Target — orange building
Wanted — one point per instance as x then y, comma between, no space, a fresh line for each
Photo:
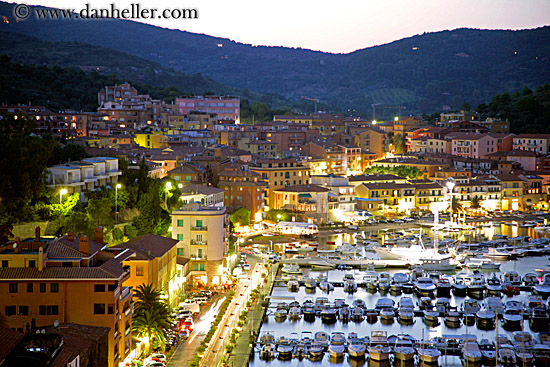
68,280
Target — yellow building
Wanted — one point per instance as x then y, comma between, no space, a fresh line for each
403,124
153,140
201,233
396,198
261,148
427,193
152,260
68,280
512,191
372,140
279,173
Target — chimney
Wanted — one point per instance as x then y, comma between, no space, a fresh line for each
98,234
70,236
84,245
37,234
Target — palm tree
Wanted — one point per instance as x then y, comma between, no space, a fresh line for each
476,202
151,314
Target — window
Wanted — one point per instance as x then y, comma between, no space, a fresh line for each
99,287
111,287
4,263
180,252
29,287
13,287
111,309
180,237
52,310
42,287
99,309
54,287
32,263
180,222
199,223
139,270
11,310
23,310
202,266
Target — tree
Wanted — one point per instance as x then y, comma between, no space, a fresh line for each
99,211
151,315
78,222
150,219
241,216
476,202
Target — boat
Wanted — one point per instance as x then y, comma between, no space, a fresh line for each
494,286
511,278
470,307
306,337
488,352
316,350
387,314
543,289
372,316
356,348
471,353
405,314
350,286
424,286
481,264
431,316
443,286
408,252
267,338
530,279
337,345
384,281
293,286
358,314
494,304
310,283
284,348
370,279
485,319
294,313
541,353
267,352
497,254
281,314
476,289
358,302
322,338
403,349
538,319
299,351
344,314
326,286
453,318
428,353
439,264
506,355
424,302
460,284
379,350
398,280
384,302
512,319
328,313
291,269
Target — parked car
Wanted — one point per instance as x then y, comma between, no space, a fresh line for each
200,299
158,357
206,293
184,334
246,266
155,364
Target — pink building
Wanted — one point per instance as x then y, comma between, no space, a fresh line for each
472,145
226,107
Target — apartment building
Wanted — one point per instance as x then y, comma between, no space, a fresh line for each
427,193
86,175
201,232
372,140
341,197
225,107
260,148
311,200
538,143
395,197
206,195
279,173
69,279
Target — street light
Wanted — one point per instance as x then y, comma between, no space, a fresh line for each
61,193
450,185
168,187
118,186
279,217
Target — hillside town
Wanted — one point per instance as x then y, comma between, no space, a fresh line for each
221,182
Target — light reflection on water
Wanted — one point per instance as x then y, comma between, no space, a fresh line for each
523,265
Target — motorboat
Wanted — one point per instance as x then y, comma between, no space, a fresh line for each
408,252
387,314
291,269
476,288
370,279
477,263
543,289
488,352
485,319
530,279
326,286
494,286
384,282
439,264
494,304
350,286
428,353
294,313
398,280
460,284
299,350
358,302
372,316
506,355
293,286
424,286
403,349
267,352
443,286
379,349
405,314
358,314
511,278
442,304
306,337
328,313
337,345
538,320
431,316
470,307
471,352
541,353
316,350
383,302
356,348
424,302
267,338
281,314
344,313
452,318
284,348
320,302
322,338
512,319
310,283
497,254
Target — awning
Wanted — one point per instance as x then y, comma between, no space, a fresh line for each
181,260
304,196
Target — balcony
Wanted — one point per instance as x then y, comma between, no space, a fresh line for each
199,228
126,292
198,243
197,257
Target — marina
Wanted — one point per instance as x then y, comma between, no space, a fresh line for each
405,315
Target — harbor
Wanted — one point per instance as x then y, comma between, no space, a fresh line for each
363,310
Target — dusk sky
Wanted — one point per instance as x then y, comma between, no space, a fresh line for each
336,26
